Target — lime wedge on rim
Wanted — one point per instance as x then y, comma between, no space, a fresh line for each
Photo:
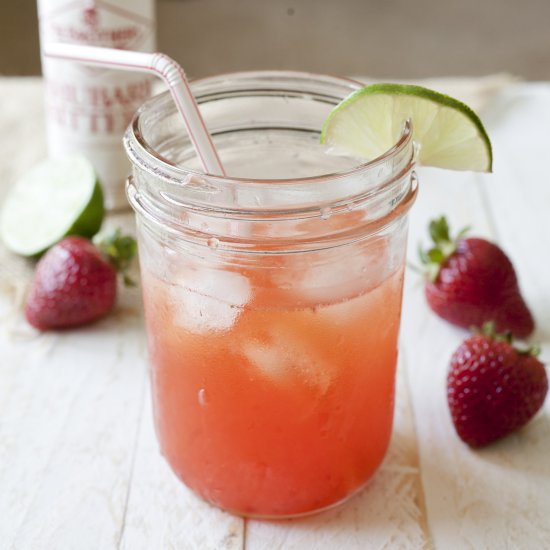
59,197
369,121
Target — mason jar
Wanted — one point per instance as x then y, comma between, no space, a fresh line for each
272,296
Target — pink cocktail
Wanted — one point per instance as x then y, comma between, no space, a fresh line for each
272,296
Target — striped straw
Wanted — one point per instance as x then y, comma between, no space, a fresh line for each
162,66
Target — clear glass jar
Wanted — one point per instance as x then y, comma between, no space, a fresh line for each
272,296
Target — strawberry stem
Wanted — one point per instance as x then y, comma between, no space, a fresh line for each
488,330
443,247
119,250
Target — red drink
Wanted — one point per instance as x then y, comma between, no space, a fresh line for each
272,296
287,411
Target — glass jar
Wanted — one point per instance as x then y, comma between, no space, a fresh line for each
272,296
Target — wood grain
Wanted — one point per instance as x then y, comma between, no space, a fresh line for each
495,497
79,461
163,513
68,424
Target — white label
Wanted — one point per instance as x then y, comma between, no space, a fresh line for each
88,108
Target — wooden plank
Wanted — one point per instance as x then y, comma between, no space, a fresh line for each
68,420
427,343
518,194
518,199
162,513
388,513
496,497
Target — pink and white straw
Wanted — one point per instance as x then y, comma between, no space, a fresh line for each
162,66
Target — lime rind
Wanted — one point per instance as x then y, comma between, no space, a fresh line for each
56,198
450,133
90,220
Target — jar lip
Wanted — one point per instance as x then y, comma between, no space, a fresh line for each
277,75
140,152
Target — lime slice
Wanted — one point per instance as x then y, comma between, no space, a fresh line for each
56,198
369,121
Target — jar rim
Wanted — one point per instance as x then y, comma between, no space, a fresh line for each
142,153
195,206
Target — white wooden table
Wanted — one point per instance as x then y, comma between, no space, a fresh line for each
79,463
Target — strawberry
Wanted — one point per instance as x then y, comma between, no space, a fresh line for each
493,388
75,283
471,281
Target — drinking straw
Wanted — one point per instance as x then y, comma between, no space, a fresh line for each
162,66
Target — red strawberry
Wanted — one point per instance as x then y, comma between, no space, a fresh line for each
472,281
493,388
75,283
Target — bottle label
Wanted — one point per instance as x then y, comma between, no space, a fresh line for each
123,25
88,108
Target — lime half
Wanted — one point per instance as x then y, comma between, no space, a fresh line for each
369,121
56,198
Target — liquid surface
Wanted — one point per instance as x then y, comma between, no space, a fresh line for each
276,154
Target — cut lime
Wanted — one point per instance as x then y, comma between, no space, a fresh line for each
56,198
368,122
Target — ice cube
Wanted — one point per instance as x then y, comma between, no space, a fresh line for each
208,299
342,275
284,357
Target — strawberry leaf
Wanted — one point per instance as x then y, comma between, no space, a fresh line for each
444,247
439,230
119,250
436,255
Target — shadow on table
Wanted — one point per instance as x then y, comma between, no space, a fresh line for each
527,450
